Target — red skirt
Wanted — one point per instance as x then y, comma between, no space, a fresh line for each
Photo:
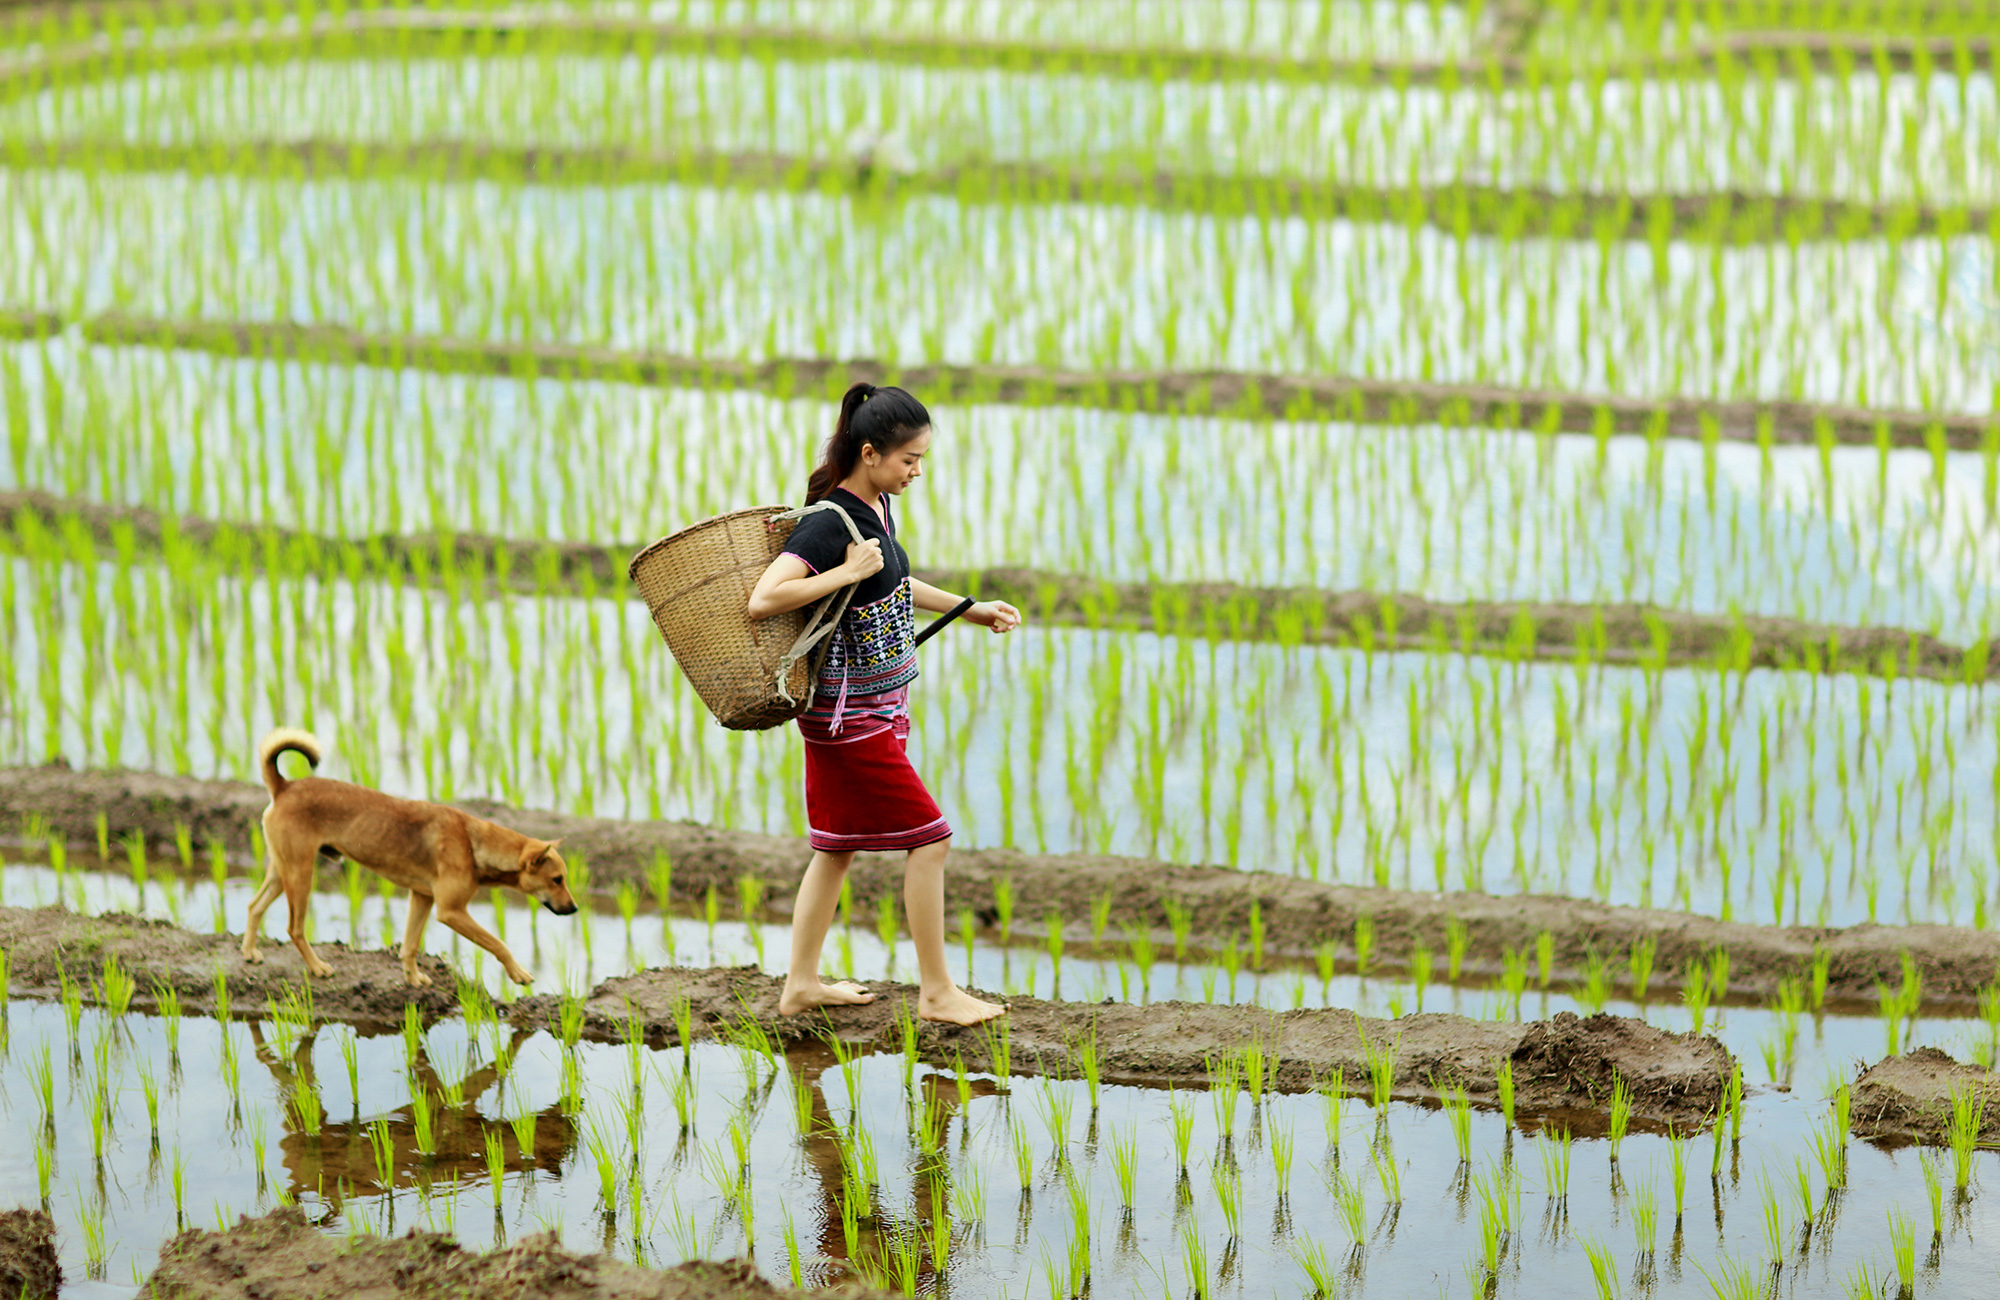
862,795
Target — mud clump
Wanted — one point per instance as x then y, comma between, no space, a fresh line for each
1564,1065
29,1269
47,944
1910,1097
282,1256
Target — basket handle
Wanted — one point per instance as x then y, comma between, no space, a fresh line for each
819,626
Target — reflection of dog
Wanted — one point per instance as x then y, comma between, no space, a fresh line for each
439,854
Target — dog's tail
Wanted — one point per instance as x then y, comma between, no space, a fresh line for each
284,738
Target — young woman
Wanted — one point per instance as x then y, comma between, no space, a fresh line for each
861,792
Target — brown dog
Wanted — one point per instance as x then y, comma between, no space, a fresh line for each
439,854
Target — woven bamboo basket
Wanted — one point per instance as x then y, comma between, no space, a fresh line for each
752,675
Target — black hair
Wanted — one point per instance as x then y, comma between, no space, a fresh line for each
882,418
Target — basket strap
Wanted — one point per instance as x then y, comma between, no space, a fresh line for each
830,611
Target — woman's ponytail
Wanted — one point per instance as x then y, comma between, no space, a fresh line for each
882,418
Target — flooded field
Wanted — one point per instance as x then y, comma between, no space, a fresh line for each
1495,794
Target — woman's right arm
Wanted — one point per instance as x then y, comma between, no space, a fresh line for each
788,584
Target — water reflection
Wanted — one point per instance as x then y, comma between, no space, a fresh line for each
336,1159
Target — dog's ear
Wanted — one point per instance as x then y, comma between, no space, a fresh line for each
538,851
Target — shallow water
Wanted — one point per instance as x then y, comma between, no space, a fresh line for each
686,1208
1848,537
1763,796
770,274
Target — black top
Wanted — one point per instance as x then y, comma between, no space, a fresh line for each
821,540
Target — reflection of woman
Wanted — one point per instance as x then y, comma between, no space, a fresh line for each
861,792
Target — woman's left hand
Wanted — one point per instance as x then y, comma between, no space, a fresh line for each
995,614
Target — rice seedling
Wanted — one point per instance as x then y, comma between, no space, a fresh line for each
1545,958
1620,1113
1596,990
45,1170
1228,1186
1333,1096
1420,972
1388,1175
1180,920
1694,994
1640,963
1349,1200
1731,1280
1024,1156
1646,1218
423,1121
1933,1172
1125,1164
1194,1262
523,1127
1554,1148
1310,1255
1903,1250
1364,942
1381,1062
968,1197
1182,1118
1863,1282
1772,1216
1284,1148
496,1162
1458,1109
1968,1112
1503,1079
1603,1269
149,1086
1513,980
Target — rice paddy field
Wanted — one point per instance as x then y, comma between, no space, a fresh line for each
1457,460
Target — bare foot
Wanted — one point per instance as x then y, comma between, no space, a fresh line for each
800,996
957,1007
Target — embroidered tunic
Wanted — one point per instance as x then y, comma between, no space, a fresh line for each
872,655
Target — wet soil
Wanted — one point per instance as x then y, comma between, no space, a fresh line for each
46,943
282,1256
1727,217
1297,914
1642,635
29,1269
1242,394
1562,1065
1909,1097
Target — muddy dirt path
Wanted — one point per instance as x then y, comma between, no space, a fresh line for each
282,1256
1562,1067
1728,217
1641,635
1242,394
1909,1098
29,1269
45,944
1298,915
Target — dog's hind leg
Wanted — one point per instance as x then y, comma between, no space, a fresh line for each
413,938
292,862
267,894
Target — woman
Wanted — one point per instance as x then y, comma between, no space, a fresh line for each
861,793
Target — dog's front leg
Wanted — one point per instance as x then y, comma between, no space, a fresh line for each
413,938
454,915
